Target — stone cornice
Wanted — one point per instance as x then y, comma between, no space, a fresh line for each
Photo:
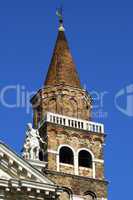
76,176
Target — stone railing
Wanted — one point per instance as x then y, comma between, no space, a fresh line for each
72,122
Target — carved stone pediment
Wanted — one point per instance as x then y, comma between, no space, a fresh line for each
4,175
13,166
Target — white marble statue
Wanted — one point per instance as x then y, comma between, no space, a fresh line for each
32,144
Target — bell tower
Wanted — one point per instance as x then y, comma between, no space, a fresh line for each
62,113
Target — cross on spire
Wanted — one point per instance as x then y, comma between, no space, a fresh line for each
59,13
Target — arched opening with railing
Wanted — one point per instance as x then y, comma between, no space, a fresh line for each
65,159
85,159
86,165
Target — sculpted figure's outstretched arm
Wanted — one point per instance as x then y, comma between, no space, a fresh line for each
41,140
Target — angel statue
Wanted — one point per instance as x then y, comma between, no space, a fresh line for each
32,143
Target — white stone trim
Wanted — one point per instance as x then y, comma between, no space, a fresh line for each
88,150
28,184
75,197
94,169
101,199
7,189
4,175
67,165
99,160
20,168
58,162
37,164
72,122
52,151
76,165
34,197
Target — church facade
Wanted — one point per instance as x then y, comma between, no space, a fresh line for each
63,153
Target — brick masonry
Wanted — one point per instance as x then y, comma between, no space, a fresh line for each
62,94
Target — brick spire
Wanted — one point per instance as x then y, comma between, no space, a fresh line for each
62,68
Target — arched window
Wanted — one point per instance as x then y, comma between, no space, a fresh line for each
66,194
66,155
85,159
90,196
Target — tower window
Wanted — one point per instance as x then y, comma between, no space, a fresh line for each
85,159
66,155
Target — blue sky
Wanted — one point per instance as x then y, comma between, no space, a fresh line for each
100,35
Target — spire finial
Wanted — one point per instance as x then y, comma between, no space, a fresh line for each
59,13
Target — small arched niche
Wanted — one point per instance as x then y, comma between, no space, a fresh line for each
52,105
74,107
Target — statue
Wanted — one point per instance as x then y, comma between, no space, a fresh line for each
32,143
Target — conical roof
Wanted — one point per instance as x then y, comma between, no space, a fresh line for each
62,68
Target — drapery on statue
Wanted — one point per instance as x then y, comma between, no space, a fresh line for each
32,143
